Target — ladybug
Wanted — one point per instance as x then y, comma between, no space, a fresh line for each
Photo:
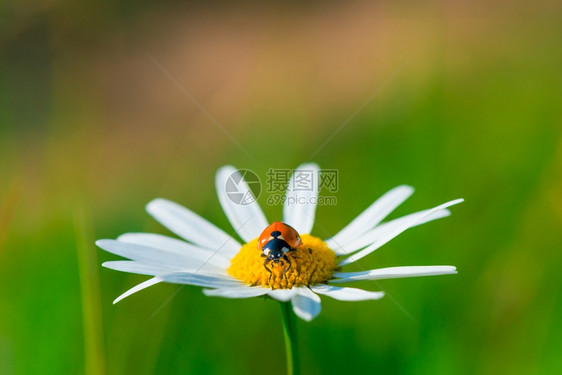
275,242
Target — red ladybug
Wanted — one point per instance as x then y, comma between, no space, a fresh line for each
275,242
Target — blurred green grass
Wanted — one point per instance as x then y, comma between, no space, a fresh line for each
475,114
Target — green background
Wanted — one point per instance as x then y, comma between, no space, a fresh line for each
454,99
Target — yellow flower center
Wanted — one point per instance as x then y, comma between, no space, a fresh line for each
312,263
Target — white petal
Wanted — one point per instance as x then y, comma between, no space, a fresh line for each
376,233
247,219
300,204
395,230
145,254
190,226
239,292
176,246
306,304
371,216
282,295
206,280
138,268
346,294
393,272
153,256
139,287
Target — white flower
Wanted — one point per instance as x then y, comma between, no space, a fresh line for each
205,255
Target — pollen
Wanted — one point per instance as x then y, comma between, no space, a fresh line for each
312,263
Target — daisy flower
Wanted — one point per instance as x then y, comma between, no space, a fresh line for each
209,257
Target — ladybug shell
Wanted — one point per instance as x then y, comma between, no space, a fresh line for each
287,233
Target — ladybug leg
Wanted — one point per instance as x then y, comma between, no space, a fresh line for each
293,253
267,260
263,255
288,265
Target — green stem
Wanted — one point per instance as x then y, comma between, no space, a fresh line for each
290,333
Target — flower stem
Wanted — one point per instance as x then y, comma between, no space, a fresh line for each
290,333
